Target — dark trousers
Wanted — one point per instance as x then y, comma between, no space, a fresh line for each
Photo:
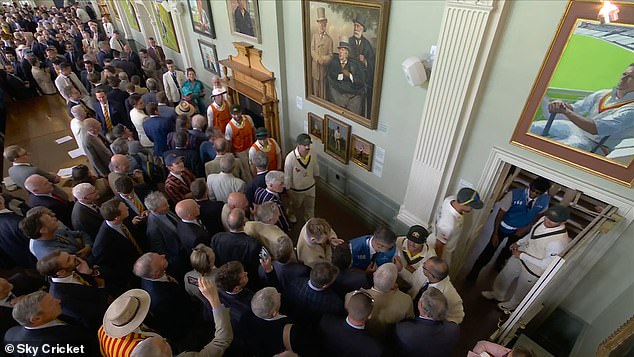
489,251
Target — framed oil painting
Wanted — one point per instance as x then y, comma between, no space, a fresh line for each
166,27
209,56
316,126
244,19
344,52
130,15
581,108
200,14
361,152
337,136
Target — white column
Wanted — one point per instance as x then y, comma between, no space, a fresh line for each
466,36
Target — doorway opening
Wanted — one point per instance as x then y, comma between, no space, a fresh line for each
483,319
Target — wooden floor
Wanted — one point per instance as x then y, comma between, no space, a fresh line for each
36,123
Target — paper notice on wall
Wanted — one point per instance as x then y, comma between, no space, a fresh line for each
379,154
377,169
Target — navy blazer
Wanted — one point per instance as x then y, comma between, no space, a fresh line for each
116,255
340,339
435,338
258,181
230,246
191,159
211,215
85,304
117,113
14,246
156,128
170,307
190,235
285,273
62,210
308,305
86,220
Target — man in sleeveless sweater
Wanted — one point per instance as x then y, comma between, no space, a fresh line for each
240,132
267,145
300,170
531,256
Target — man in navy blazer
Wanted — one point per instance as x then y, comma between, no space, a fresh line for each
190,229
429,332
347,336
312,298
41,194
85,216
14,246
38,313
170,305
78,287
116,111
117,247
157,127
210,211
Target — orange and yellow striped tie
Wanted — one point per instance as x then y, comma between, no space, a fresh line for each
106,116
131,239
138,204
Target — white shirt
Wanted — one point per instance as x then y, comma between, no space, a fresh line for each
448,228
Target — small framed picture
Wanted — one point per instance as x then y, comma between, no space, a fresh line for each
209,56
361,152
316,126
337,135
200,14
244,19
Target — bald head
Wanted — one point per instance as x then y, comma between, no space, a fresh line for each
92,125
119,163
236,219
38,184
237,200
187,210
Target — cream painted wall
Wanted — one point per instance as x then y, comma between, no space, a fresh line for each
413,28
605,297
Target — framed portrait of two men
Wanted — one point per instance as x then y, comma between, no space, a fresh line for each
344,51
581,108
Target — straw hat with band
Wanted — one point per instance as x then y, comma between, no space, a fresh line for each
126,313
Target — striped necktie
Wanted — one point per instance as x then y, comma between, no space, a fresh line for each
138,204
106,116
129,236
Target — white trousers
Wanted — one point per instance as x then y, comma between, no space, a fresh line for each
513,270
303,201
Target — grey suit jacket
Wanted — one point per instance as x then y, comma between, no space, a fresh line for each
19,174
98,154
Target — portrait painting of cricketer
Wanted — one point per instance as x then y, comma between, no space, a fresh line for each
581,109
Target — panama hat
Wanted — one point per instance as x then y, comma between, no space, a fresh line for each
126,313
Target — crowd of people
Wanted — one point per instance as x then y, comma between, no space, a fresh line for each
177,237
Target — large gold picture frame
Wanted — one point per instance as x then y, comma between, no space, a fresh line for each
583,66
349,85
